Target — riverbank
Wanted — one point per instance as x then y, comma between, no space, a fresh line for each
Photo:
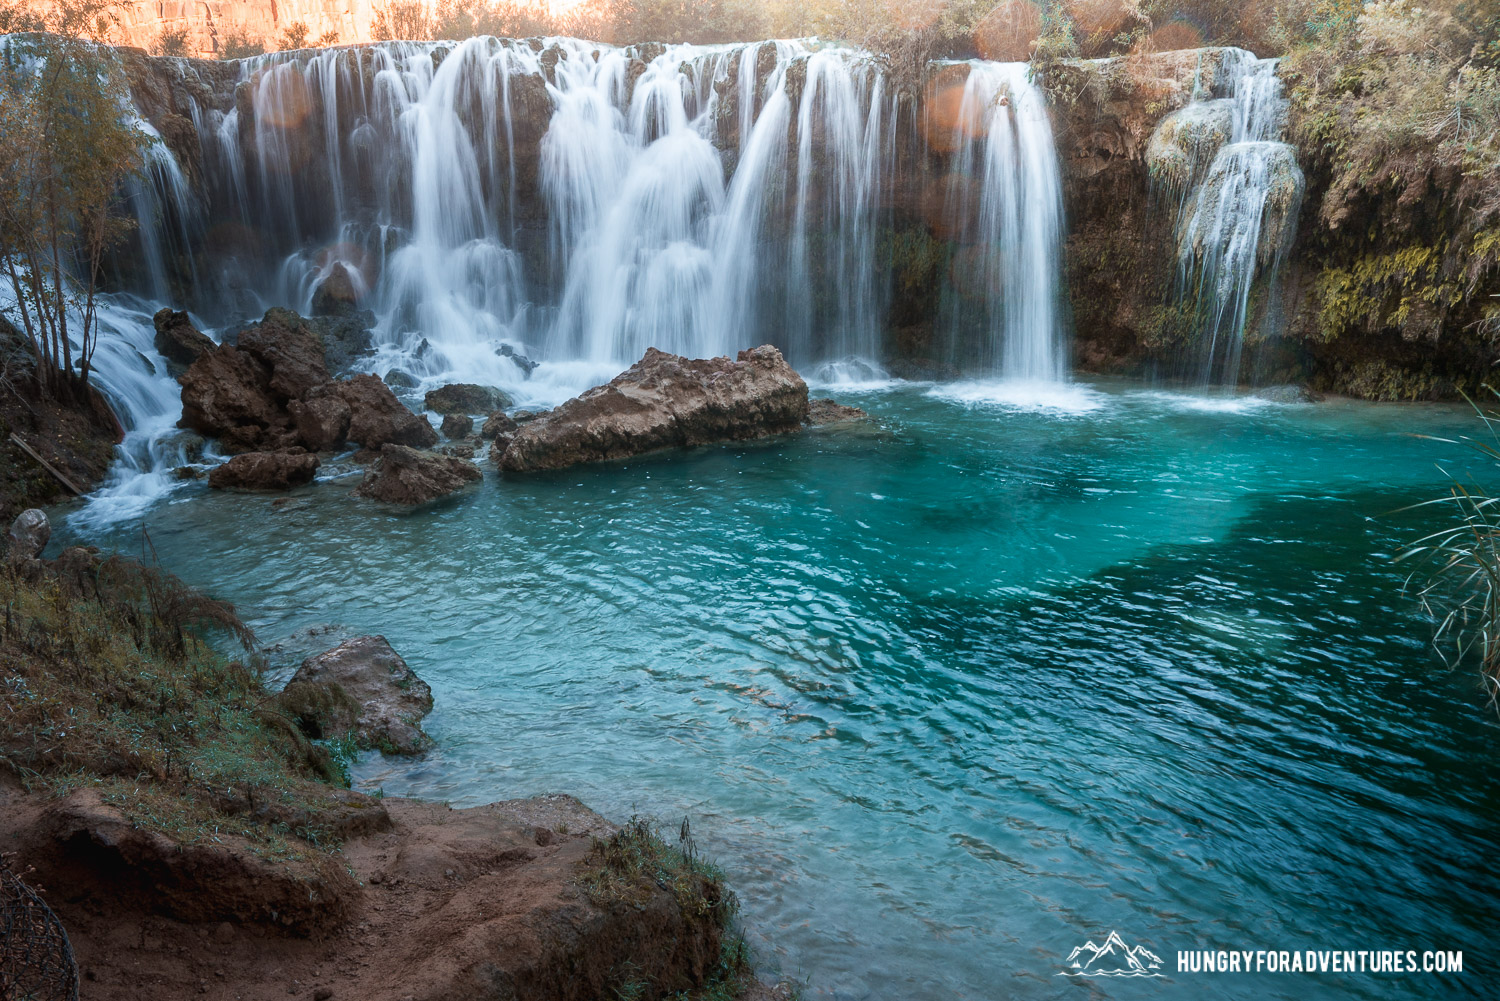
193,840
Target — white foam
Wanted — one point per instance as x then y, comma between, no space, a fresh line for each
1047,397
1195,403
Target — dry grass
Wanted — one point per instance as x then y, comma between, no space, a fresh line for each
107,678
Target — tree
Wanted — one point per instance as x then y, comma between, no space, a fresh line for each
69,147
172,42
294,36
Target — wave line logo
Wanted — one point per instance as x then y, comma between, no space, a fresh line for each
1112,959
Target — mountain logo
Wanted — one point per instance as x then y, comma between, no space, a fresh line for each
1112,959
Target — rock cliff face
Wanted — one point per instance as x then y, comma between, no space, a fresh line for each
208,24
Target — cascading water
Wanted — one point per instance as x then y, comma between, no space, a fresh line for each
1240,212
401,163
1005,209
572,202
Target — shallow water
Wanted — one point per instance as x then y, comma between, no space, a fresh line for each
953,693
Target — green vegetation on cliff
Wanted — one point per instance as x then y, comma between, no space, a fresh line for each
1395,110
107,679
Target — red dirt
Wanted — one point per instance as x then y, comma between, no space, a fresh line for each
449,904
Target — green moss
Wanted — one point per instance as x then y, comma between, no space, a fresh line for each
1384,290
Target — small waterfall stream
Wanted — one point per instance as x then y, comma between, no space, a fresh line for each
1010,223
1239,215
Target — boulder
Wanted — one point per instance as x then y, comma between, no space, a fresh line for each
377,417
467,398
526,365
409,476
336,294
665,401
322,422
400,379
29,535
264,471
498,423
291,349
391,699
177,340
457,426
1289,393
345,337
228,388
829,412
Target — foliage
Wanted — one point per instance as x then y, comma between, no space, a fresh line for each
238,44
293,36
172,42
69,146
1396,105
1462,587
107,678
627,867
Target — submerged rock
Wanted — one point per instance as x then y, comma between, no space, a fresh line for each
663,401
828,412
379,700
29,535
400,379
467,398
1289,394
265,471
410,476
377,417
177,340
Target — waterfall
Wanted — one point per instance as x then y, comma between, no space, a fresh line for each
1004,206
1239,215
615,225
571,202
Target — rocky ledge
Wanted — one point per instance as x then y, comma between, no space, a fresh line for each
664,401
525,899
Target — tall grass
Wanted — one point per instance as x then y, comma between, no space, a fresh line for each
1460,583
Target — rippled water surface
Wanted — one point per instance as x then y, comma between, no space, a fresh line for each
955,692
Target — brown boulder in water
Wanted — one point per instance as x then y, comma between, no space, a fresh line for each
457,426
227,388
666,401
391,699
821,412
336,294
377,417
322,421
410,476
177,340
291,349
264,471
466,398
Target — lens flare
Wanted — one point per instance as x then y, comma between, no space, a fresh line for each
945,126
